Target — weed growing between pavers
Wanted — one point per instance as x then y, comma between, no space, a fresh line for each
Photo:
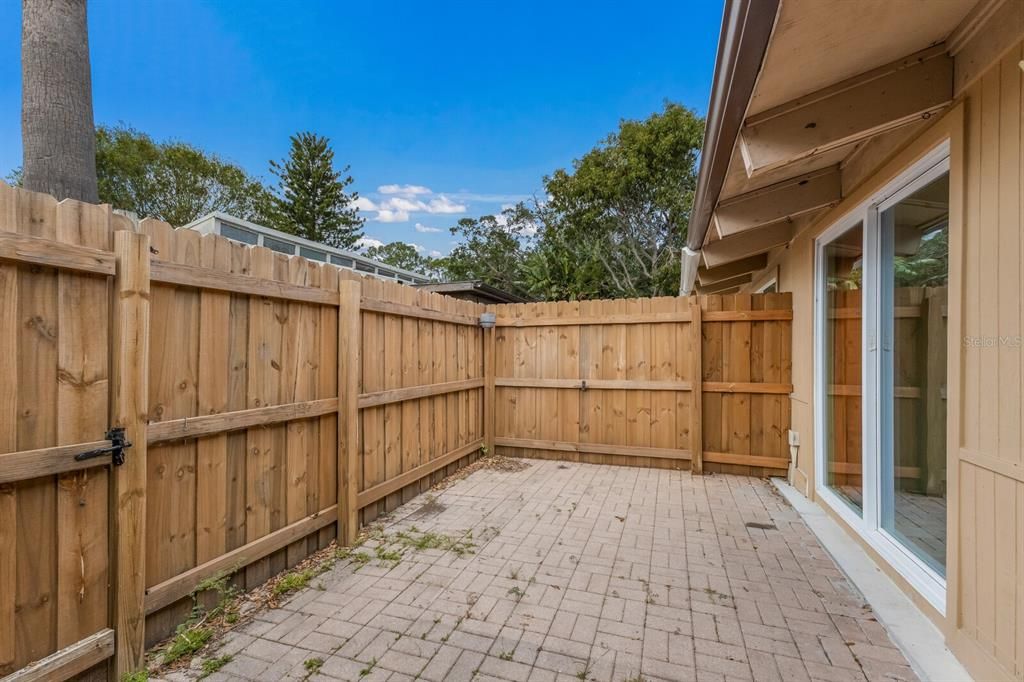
188,640
368,669
212,665
312,666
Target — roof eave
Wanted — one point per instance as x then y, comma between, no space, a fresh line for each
746,31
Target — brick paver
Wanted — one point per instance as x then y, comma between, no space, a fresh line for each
583,571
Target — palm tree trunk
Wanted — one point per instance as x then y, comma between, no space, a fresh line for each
58,137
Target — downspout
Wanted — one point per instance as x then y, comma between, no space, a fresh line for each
746,29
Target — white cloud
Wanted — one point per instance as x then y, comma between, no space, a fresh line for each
387,215
420,227
399,201
367,242
419,249
364,204
443,204
403,204
435,254
404,190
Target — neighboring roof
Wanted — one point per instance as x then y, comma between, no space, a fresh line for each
201,223
792,107
480,289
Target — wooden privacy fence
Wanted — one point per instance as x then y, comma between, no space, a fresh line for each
273,404
223,363
648,382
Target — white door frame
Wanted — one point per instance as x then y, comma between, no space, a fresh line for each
930,584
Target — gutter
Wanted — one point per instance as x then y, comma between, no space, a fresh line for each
746,30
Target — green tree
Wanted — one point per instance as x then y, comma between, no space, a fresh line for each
311,200
491,250
615,224
173,181
401,255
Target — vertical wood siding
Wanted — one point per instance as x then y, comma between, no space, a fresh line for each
991,496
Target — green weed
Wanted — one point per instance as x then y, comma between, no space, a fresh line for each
368,669
137,676
212,665
187,641
313,666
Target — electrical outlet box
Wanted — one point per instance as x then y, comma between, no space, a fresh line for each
794,439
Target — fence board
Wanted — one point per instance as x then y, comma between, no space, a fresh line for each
35,600
328,471
212,451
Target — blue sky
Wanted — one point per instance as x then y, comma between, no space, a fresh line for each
443,109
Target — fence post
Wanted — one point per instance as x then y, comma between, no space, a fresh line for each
697,394
489,364
129,410
350,340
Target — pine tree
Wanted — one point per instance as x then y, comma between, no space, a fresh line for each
311,200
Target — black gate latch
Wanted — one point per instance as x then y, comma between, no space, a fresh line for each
116,449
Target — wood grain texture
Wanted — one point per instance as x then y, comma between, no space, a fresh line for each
64,255
350,365
131,345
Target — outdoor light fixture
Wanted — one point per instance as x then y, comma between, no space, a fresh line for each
487,320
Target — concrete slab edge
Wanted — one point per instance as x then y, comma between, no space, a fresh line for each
916,636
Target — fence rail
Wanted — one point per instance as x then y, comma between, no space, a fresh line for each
276,404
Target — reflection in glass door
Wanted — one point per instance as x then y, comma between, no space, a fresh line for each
843,300
882,273
914,271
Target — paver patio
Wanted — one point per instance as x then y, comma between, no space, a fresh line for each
583,571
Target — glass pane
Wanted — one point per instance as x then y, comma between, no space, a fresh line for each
279,245
238,234
844,270
915,274
312,254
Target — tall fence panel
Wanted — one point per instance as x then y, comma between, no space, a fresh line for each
255,458
420,400
55,368
663,382
259,366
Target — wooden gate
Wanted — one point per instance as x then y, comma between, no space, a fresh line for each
65,283
664,382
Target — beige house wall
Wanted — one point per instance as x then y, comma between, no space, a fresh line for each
984,620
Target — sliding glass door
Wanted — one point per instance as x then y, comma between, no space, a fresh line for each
882,275
914,247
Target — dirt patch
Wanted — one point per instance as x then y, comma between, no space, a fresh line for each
496,462
428,508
